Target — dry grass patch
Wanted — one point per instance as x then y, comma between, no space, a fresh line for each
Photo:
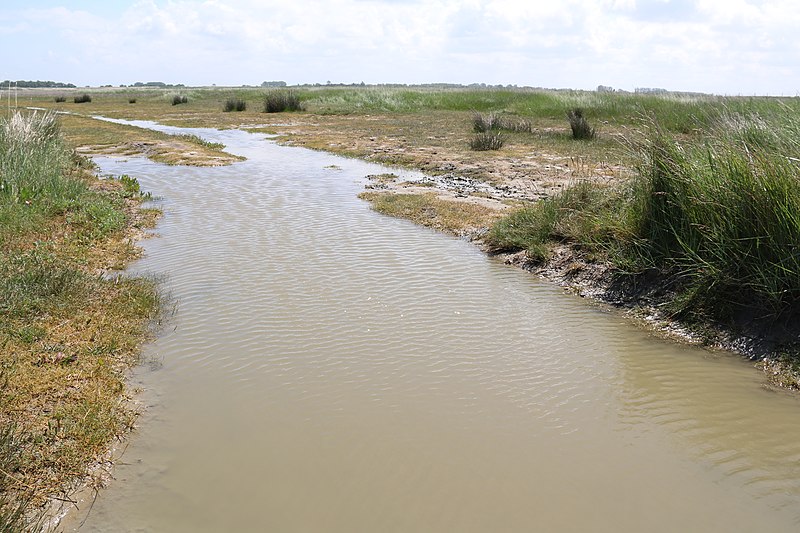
451,216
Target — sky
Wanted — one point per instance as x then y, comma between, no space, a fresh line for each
736,47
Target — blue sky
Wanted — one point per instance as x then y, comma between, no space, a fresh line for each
718,46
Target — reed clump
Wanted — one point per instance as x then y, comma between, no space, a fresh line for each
280,101
717,217
581,129
485,122
234,104
488,140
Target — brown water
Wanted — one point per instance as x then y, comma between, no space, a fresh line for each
330,369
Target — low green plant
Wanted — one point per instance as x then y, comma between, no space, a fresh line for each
488,140
60,99
131,100
234,104
581,129
194,139
82,99
178,99
582,214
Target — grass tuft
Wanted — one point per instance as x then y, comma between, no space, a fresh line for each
488,140
234,104
178,99
60,99
279,101
581,129
717,217
82,99
482,123
131,100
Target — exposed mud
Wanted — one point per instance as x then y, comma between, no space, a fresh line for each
528,167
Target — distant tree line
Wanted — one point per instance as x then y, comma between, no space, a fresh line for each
38,84
156,84
274,84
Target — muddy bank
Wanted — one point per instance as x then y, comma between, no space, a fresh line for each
771,345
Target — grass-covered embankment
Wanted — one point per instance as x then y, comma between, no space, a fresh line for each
709,224
67,333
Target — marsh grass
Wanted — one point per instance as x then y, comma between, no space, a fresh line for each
488,140
234,104
16,509
482,123
280,101
454,217
581,129
66,333
717,217
194,139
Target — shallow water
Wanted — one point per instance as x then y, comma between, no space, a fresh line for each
331,369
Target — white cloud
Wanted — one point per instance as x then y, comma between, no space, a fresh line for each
728,46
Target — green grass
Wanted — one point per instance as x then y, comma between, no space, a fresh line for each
15,496
66,333
194,139
717,216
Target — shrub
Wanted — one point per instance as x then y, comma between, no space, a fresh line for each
60,99
179,99
580,127
82,99
279,101
234,104
131,100
488,140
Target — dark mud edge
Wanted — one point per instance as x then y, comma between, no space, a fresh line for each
773,346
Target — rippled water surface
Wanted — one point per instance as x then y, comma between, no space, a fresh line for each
331,369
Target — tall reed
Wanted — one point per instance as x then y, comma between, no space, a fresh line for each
718,217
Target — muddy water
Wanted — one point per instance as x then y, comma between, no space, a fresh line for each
330,369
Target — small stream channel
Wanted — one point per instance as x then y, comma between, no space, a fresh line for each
331,369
